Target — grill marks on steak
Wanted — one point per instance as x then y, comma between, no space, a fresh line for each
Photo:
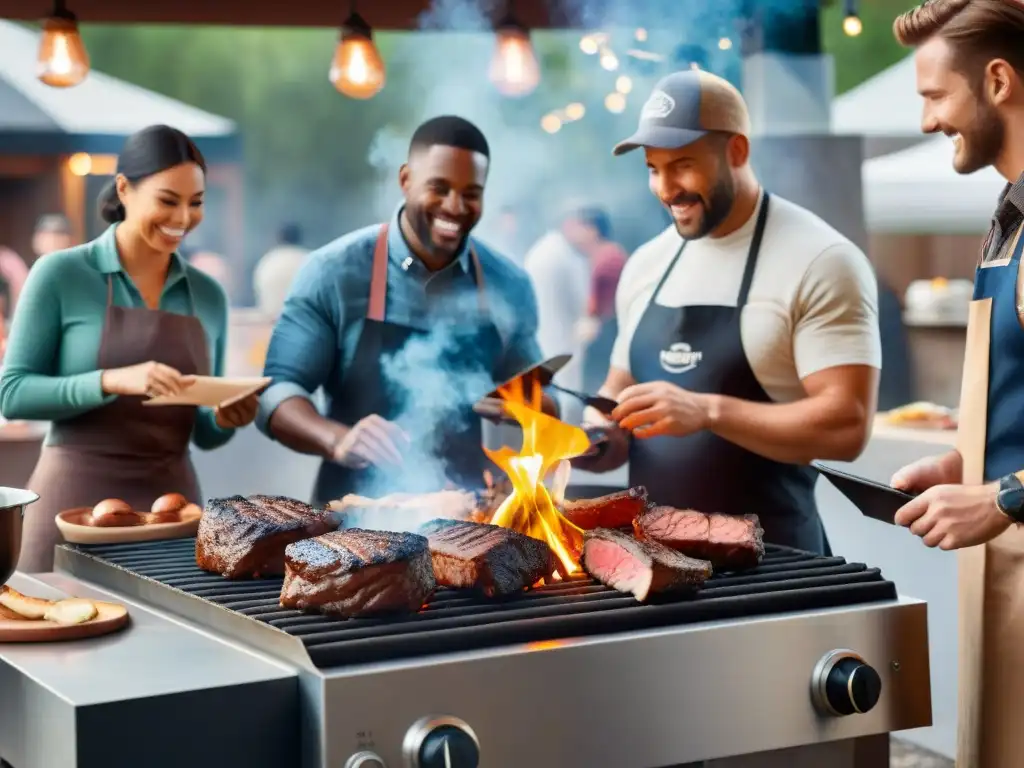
730,542
616,510
356,572
640,568
489,558
243,537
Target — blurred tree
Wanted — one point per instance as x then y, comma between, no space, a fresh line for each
874,49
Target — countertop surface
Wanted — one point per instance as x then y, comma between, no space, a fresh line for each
154,656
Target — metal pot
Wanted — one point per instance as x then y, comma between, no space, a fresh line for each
12,509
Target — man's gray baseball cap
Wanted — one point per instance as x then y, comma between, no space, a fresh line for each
685,106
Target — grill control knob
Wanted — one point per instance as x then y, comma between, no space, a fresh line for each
844,684
441,742
365,760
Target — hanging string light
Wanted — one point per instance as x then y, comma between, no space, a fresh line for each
724,43
357,69
514,69
575,111
852,25
551,123
589,44
624,84
615,102
62,61
609,60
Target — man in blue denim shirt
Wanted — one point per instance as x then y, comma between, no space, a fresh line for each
405,325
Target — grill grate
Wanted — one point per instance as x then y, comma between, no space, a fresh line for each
453,621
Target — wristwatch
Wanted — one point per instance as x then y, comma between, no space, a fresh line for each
1010,499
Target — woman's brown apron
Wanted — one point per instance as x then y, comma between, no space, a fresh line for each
123,449
991,588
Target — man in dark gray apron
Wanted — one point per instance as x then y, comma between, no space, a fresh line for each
694,418
405,325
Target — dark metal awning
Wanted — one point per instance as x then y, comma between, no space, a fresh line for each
381,14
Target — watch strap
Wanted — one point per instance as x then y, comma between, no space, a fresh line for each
1010,498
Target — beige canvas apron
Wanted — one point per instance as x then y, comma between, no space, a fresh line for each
991,590
124,449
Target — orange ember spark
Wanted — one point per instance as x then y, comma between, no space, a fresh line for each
530,509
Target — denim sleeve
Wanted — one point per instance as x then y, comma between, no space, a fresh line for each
305,340
523,349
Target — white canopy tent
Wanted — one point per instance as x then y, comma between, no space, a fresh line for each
102,106
886,105
916,191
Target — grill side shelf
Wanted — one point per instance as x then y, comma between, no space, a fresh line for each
209,615
165,574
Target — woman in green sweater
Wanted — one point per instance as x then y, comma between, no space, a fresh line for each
101,327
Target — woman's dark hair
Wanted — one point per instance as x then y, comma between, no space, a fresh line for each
147,153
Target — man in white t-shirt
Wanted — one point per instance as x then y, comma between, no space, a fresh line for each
751,352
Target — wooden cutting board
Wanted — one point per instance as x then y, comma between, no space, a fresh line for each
16,629
213,392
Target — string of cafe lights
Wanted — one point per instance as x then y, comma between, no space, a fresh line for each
597,43
357,69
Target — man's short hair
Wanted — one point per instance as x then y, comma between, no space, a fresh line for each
978,31
450,131
54,223
597,218
290,234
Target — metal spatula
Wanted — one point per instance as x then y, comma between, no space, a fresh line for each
603,404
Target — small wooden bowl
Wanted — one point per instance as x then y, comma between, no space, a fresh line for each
76,527
110,617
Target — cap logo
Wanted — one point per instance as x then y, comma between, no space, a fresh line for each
659,105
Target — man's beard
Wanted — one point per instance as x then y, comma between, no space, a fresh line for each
716,208
981,145
420,222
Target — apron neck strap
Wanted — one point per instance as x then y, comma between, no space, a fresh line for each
110,291
755,250
379,277
748,269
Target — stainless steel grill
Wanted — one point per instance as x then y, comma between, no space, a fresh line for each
453,621
756,669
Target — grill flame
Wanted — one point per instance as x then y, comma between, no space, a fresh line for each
547,445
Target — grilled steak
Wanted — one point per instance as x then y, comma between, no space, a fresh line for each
357,572
242,537
730,542
616,510
640,568
492,559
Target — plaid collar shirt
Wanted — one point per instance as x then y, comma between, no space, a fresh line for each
1008,219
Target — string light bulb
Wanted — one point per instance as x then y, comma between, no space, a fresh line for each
514,68
609,60
575,111
623,84
62,61
640,35
588,44
357,70
724,43
852,25
615,102
551,123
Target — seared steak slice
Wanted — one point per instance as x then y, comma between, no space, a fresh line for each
242,537
640,568
616,510
730,542
492,559
355,572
